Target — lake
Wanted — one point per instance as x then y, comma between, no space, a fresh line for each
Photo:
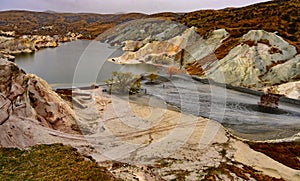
77,63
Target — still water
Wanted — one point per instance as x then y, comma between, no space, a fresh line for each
77,63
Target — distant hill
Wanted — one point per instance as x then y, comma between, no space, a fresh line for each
90,25
273,16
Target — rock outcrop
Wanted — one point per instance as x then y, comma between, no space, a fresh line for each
154,29
70,36
10,46
261,59
183,49
26,96
290,89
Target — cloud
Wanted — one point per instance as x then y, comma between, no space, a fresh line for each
113,6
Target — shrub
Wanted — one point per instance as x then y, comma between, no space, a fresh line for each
124,83
152,77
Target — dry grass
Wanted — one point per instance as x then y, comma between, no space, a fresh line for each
280,16
49,162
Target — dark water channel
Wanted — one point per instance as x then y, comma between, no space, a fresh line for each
237,111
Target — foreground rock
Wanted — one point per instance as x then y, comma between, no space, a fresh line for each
25,98
290,90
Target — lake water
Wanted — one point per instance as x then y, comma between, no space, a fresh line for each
77,63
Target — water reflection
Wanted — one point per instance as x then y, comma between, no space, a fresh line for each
76,63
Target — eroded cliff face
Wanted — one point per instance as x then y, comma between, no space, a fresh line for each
261,59
27,97
258,60
180,50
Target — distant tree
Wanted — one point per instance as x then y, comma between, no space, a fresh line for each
124,83
152,77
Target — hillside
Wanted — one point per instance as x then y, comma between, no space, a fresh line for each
45,23
273,16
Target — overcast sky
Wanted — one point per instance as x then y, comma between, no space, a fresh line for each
120,6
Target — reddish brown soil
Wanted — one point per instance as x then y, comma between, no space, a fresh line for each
244,172
287,153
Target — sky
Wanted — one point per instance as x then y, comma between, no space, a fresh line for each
121,6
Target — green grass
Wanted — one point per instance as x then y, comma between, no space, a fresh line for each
49,162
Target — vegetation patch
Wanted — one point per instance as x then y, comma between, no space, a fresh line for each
124,83
49,162
272,16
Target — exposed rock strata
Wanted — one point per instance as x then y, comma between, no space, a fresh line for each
10,46
181,50
261,59
154,29
290,90
26,96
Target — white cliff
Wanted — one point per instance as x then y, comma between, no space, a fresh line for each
182,49
261,59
